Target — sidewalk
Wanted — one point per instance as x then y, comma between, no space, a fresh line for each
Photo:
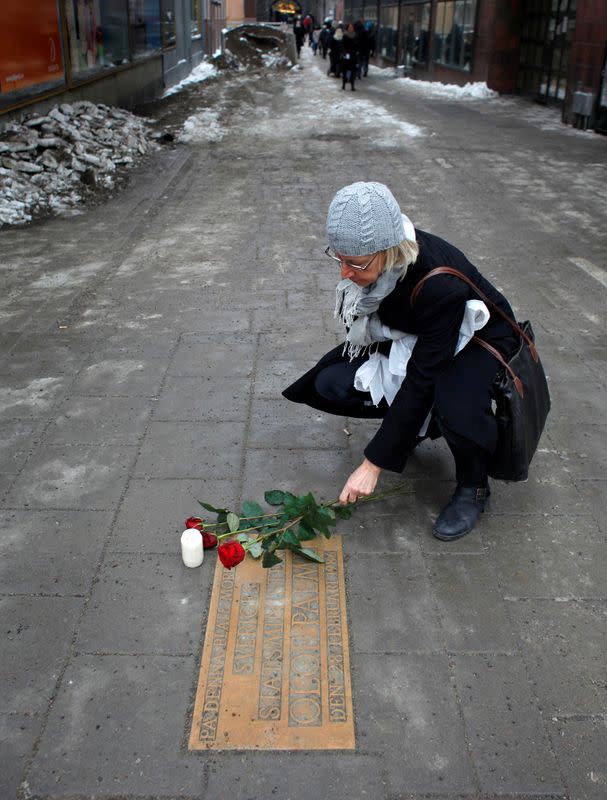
143,348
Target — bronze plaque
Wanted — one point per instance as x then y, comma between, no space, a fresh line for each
275,671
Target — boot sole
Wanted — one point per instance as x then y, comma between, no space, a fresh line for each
443,538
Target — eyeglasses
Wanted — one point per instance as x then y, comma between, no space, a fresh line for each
331,254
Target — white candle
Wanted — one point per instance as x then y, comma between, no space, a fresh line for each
191,547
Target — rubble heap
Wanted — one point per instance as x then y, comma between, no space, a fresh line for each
49,163
257,45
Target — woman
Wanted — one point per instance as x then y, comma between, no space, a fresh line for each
382,259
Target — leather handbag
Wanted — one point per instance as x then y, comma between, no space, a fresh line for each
520,391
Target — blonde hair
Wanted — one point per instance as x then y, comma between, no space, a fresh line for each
402,255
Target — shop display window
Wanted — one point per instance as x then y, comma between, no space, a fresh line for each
196,18
98,34
386,32
415,33
167,13
144,23
454,33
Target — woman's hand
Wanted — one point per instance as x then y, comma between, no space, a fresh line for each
361,483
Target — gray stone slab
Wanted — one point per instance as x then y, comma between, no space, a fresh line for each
17,439
297,776
505,726
474,616
580,746
30,398
594,496
272,379
564,646
191,449
83,476
190,399
297,471
530,562
132,343
278,423
407,710
400,616
53,552
147,604
581,447
6,482
100,420
57,353
120,377
549,493
116,729
369,533
37,635
153,512
206,355
271,320
18,733
585,396
303,344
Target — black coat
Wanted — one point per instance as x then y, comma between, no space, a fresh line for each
435,317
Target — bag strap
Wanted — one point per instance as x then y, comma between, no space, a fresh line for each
452,271
518,384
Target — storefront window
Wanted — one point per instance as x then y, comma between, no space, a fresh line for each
98,34
454,33
386,32
196,18
167,12
415,33
144,21
30,55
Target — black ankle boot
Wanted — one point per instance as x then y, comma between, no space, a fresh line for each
460,515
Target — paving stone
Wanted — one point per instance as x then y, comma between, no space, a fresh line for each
120,377
473,615
43,354
564,648
206,355
581,448
29,398
271,320
552,494
153,512
116,728
191,449
6,482
529,562
17,439
100,420
378,534
130,343
146,604
52,552
297,471
276,423
504,726
581,745
297,776
271,380
585,396
37,635
407,710
18,733
83,476
303,344
399,617
594,497
202,399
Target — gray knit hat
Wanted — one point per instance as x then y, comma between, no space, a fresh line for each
364,218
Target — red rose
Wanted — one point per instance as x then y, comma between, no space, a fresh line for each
194,522
209,540
230,554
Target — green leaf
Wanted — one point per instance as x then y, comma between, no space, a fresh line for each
233,521
251,509
343,512
256,550
222,516
274,497
311,554
242,538
305,532
328,513
270,559
211,508
288,537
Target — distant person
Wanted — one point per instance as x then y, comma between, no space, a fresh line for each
325,38
308,24
445,387
335,46
298,30
315,40
349,57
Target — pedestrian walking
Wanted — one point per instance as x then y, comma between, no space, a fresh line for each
366,41
335,46
298,30
324,39
315,40
349,57
402,359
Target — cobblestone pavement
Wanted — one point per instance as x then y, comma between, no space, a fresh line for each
143,347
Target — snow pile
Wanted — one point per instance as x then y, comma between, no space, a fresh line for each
470,91
202,127
50,162
202,72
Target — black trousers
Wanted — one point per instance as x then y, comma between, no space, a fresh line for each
462,410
